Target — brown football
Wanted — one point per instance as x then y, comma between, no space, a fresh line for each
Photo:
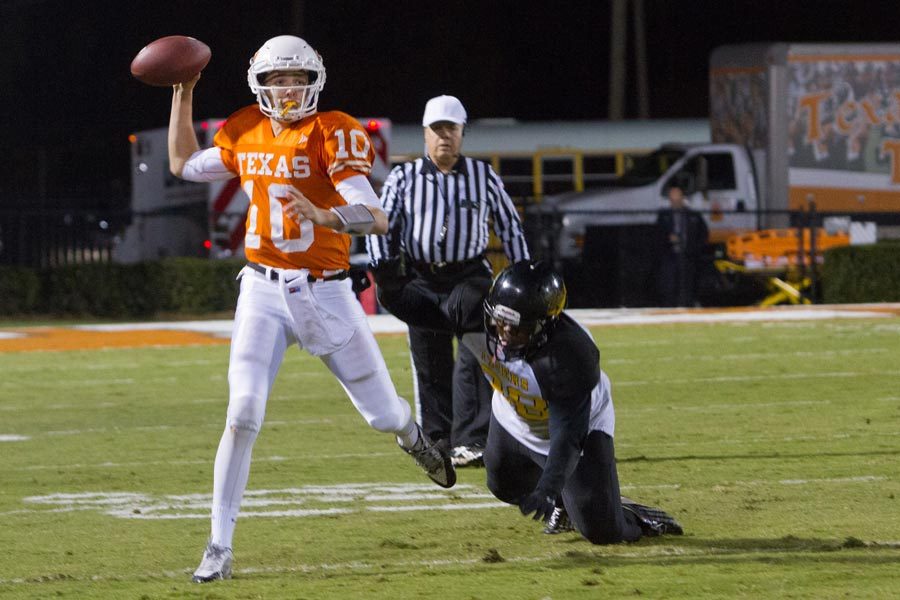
170,60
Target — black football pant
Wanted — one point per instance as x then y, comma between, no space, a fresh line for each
591,496
444,306
453,397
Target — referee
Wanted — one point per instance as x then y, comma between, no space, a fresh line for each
439,207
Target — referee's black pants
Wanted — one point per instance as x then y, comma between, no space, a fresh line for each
453,398
591,495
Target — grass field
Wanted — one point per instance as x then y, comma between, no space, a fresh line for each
774,443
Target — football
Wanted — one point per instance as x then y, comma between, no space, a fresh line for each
170,60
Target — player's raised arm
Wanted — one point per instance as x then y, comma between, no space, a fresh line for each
177,61
182,138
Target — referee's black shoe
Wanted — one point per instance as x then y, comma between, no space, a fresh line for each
468,456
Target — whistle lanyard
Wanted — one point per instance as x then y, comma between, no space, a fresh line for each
441,184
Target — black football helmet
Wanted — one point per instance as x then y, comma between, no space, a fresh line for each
528,296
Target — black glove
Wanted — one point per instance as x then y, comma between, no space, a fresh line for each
540,502
391,274
464,306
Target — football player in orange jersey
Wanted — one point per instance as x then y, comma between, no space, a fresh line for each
305,173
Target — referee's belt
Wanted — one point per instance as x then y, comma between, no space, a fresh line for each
275,275
447,268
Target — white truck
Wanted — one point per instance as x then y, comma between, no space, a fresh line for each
173,217
791,124
718,178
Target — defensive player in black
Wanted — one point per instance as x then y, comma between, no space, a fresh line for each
551,433
550,446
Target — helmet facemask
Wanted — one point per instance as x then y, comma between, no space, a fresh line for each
508,336
286,54
521,309
287,103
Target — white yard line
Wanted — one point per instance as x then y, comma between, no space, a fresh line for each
385,323
313,501
643,446
203,461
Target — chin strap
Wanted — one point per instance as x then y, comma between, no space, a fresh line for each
357,219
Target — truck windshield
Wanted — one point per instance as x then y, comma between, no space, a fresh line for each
649,167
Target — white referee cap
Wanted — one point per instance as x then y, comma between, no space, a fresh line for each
444,108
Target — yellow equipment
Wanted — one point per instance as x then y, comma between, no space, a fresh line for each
779,247
775,255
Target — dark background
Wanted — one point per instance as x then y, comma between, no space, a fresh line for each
69,102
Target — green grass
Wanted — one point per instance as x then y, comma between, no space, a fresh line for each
775,444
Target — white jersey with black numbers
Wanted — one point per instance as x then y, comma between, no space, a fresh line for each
527,391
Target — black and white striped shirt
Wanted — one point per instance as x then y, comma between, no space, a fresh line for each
438,218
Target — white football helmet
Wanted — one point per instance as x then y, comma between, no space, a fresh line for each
286,53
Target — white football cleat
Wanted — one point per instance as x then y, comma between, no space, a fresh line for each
216,564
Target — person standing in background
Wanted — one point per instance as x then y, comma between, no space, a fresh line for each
683,236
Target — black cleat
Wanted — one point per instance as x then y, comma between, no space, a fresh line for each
434,460
653,521
558,522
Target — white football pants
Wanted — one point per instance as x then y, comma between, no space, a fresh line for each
263,329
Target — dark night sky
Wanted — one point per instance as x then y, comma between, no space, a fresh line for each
68,95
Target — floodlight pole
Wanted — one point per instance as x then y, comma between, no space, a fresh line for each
617,40
618,44
640,60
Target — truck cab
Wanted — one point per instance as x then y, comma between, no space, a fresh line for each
718,179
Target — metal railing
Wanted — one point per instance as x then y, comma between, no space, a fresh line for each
47,237
52,237
55,237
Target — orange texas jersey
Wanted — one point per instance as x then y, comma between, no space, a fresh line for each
313,155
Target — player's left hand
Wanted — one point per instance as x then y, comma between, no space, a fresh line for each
538,502
298,207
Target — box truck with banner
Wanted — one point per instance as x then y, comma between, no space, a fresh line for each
793,126
822,121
